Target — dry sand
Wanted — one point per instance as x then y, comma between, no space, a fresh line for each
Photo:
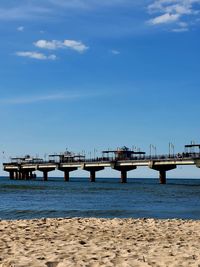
99,242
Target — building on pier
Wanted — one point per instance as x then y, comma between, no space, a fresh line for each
123,153
66,157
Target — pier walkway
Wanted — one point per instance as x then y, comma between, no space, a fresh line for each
122,160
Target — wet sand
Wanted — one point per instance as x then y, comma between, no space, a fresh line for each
99,242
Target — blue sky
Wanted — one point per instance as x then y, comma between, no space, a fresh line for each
88,74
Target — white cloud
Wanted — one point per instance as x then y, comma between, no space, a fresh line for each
174,11
55,44
20,28
48,44
77,46
115,52
36,55
165,18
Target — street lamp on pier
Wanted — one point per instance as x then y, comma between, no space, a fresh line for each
171,150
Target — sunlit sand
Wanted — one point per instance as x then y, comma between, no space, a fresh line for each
99,242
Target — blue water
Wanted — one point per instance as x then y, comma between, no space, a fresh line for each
107,198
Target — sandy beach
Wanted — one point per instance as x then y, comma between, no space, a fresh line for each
99,242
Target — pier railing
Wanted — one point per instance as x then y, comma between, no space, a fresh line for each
163,157
24,168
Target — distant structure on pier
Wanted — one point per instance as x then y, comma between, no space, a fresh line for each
67,156
124,153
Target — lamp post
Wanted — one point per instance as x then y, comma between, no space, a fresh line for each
150,149
171,150
95,151
154,147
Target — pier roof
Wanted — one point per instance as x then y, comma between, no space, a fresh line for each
193,145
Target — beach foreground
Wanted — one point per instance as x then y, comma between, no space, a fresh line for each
99,242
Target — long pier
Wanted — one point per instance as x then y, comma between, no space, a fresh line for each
122,160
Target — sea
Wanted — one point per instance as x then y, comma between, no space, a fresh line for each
106,198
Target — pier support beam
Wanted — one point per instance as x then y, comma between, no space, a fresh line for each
45,172
92,175
45,175
93,171
11,173
66,176
197,163
162,177
66,171
25,173
123,176
16,175
124,170
20,175
162,171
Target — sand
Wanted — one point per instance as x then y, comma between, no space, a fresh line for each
99,242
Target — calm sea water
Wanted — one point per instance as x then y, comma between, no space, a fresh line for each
106,198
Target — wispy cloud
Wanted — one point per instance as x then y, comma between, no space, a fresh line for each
56,96
40,98
91,4
20,28
36,55
180,30
18,12
174,12
115,52
55,44
24,9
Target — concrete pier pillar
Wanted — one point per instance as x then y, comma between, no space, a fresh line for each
67,171
23,175
92,170
92,176
45,175
123,176
11,175
20,175
16,175
66,176
27,175
162,177
123,170
45,171
162,170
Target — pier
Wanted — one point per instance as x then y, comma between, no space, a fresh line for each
122,160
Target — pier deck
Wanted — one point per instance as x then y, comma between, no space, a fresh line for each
23,169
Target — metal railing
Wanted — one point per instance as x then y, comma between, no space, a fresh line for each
167,157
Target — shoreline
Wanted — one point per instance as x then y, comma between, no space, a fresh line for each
93,242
